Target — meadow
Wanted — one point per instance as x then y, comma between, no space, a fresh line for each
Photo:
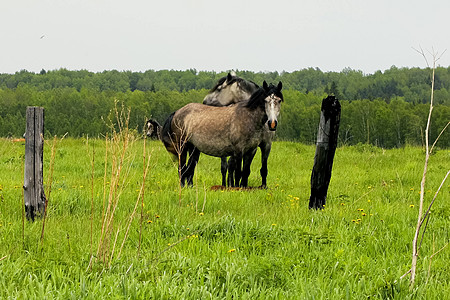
199,243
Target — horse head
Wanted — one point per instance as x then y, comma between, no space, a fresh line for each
230,89
152,129
273,99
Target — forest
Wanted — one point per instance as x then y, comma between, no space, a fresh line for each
387,108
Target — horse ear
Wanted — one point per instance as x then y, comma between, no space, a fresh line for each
265,86
280,85
229,77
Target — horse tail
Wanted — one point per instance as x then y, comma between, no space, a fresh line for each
167,135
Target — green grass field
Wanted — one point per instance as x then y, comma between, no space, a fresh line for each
198,243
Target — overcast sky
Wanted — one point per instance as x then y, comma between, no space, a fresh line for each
256,35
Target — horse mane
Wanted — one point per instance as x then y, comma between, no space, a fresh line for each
258,98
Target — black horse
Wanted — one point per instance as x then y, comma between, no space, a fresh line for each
235,131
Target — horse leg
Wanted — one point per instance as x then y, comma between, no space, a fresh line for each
248,158
182,166
194,155
238,170
223,169
265,151
231,166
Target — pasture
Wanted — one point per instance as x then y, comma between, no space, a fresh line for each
199,243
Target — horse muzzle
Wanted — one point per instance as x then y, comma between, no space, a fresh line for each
272,125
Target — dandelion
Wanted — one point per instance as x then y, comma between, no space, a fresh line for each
368,201
231,250
369,187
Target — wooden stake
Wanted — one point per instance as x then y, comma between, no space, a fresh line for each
325,148
33,186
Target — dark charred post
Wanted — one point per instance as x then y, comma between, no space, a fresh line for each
33,186
326,147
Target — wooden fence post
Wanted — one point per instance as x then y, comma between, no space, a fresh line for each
33,186
325,148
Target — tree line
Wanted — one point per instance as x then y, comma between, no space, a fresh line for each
386,109
413,84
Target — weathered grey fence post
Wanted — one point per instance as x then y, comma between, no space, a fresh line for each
326,147
34,147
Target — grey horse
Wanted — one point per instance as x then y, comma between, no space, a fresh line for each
235,130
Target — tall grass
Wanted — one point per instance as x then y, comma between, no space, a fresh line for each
261,244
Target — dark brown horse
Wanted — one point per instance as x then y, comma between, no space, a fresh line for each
235,131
